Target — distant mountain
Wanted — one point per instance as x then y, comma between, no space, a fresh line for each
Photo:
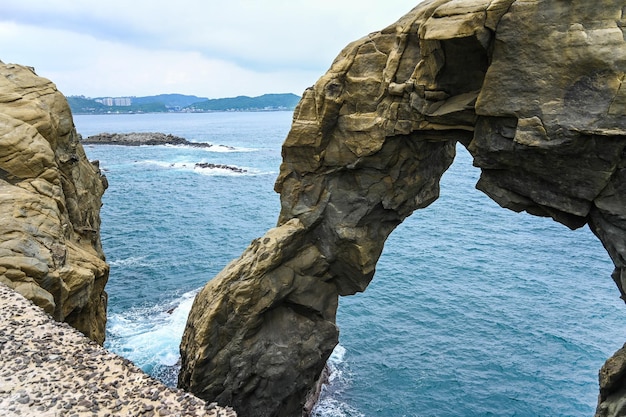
169,100
103,105
82,105
245,103
180,103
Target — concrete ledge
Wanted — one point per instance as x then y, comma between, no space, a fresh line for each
49,369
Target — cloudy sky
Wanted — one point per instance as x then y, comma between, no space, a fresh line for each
208,48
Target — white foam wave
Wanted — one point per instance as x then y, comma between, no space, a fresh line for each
150,336
143,262
338,355
131,261
193,167
335,362
228,149
329,405
215,148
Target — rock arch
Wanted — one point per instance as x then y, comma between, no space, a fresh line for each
533,89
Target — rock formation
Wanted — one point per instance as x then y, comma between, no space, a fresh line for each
50,198
141,139
533,88
612,386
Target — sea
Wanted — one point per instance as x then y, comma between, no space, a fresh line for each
474,310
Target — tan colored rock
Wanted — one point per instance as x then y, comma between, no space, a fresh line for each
50,198
271,317
534,90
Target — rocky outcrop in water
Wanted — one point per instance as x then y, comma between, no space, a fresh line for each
50,198
208,165
141,139
535,91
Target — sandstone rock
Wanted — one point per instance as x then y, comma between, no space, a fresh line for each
293,304
534,89
50,198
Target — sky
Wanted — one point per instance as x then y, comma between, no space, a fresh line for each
207,48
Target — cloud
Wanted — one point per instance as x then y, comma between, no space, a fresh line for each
192,46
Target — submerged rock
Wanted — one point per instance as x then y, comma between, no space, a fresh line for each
534,90
50,198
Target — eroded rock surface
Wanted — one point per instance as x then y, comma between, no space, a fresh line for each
533,88
50,198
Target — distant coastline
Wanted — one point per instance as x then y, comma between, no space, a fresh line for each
180,103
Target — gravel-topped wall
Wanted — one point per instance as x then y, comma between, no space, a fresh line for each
49,369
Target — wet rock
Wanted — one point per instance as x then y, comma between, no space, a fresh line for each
206,165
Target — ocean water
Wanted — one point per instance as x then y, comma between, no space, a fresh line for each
474,310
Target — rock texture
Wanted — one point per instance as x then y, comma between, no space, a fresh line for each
612,386
48,369
533,88
50,198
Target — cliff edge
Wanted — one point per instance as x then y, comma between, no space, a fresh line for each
533,88
50,198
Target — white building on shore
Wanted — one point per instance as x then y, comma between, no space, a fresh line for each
115,101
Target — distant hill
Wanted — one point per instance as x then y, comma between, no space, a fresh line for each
180,103
245,103
82,105
169,100
86,105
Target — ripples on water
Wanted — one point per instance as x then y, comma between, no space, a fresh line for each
474,310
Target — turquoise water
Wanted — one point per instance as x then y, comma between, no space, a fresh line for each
474,310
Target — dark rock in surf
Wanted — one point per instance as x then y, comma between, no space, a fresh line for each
206,165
